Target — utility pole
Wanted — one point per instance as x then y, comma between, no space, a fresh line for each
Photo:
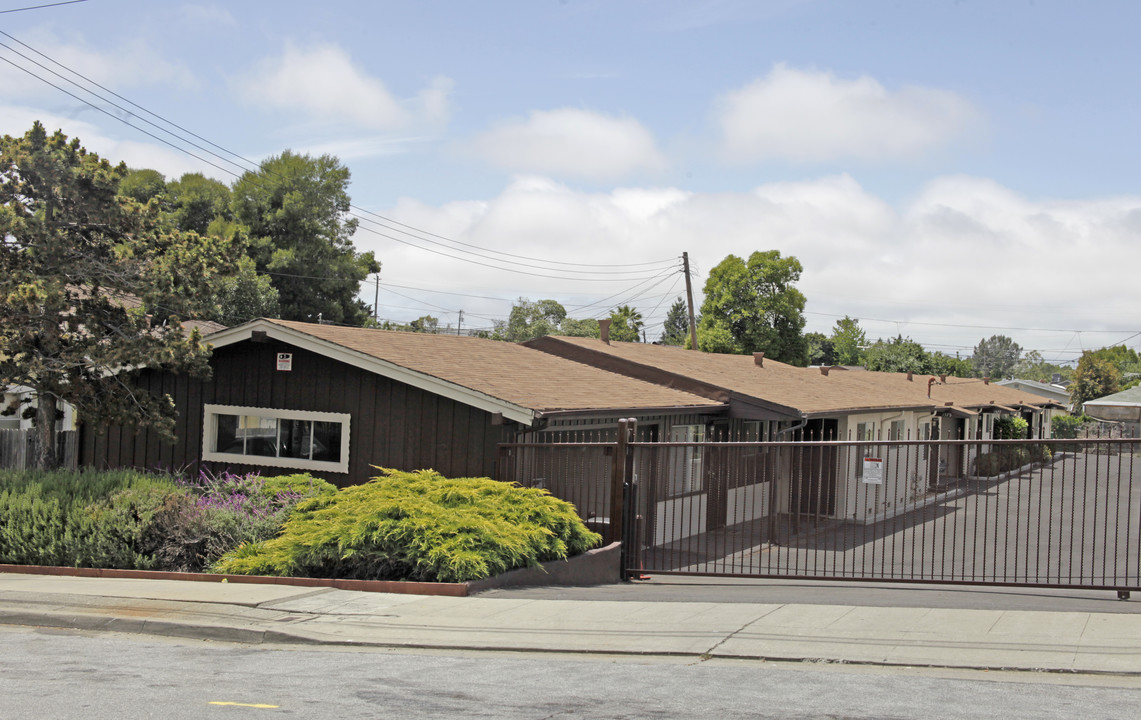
376,300
460,322
689,298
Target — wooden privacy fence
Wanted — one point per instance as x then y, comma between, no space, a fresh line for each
1056,513
18,448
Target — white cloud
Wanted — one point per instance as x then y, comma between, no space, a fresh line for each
130,65
571,142
966,252
813,116
323,82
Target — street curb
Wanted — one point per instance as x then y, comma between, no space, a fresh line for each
255,636
599,566
399,587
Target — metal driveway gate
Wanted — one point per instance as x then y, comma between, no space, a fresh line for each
1057,513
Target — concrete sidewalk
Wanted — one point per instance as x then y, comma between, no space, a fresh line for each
933,637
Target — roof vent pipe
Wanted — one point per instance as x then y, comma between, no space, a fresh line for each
759,359
604,330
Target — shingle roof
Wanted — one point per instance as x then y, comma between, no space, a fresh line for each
506,371
1130,397
805,389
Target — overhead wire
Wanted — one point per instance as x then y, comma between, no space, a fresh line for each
40,7
361,214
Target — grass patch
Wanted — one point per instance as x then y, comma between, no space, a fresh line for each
417,526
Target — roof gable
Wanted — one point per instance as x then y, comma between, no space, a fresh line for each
519,382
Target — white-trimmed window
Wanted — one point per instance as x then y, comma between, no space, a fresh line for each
276,438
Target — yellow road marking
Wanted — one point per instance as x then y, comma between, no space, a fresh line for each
253,705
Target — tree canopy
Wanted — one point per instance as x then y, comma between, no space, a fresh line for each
848,341
295,209
626,324
84,273
996,357
752,306
530,319
902,354
675,329
1096,376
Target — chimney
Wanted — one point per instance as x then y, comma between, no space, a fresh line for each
824,370
943,379
908,376
759,359
604,330
986,381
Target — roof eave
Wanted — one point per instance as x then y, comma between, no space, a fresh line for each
364,361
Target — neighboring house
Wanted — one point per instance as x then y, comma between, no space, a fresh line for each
17,399
770,400
1057,393
1123,407
339,401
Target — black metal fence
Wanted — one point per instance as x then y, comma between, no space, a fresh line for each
1057,513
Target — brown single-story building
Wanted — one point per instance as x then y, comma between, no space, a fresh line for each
338,401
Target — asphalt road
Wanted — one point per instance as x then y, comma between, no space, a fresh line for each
68,674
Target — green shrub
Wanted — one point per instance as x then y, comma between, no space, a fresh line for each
221,513
140,521
987,465
418,526
1010,427
1066,426
79,519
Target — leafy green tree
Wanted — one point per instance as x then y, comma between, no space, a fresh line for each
425,324
902,354
626,324
1095,377
675,329
1031,366
586,327
83,270
899,354
295,208
1125,359
197,203
996,357
143,185
848,341
940,364
820,349
529,320
752,306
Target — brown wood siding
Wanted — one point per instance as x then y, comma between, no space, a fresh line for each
391,424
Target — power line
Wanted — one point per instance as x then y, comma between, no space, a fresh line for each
358,210
40,7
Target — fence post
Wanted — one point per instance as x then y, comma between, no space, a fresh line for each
619,479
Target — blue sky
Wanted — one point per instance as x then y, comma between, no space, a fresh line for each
945,170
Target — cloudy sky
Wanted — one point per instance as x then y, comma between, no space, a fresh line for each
945,170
